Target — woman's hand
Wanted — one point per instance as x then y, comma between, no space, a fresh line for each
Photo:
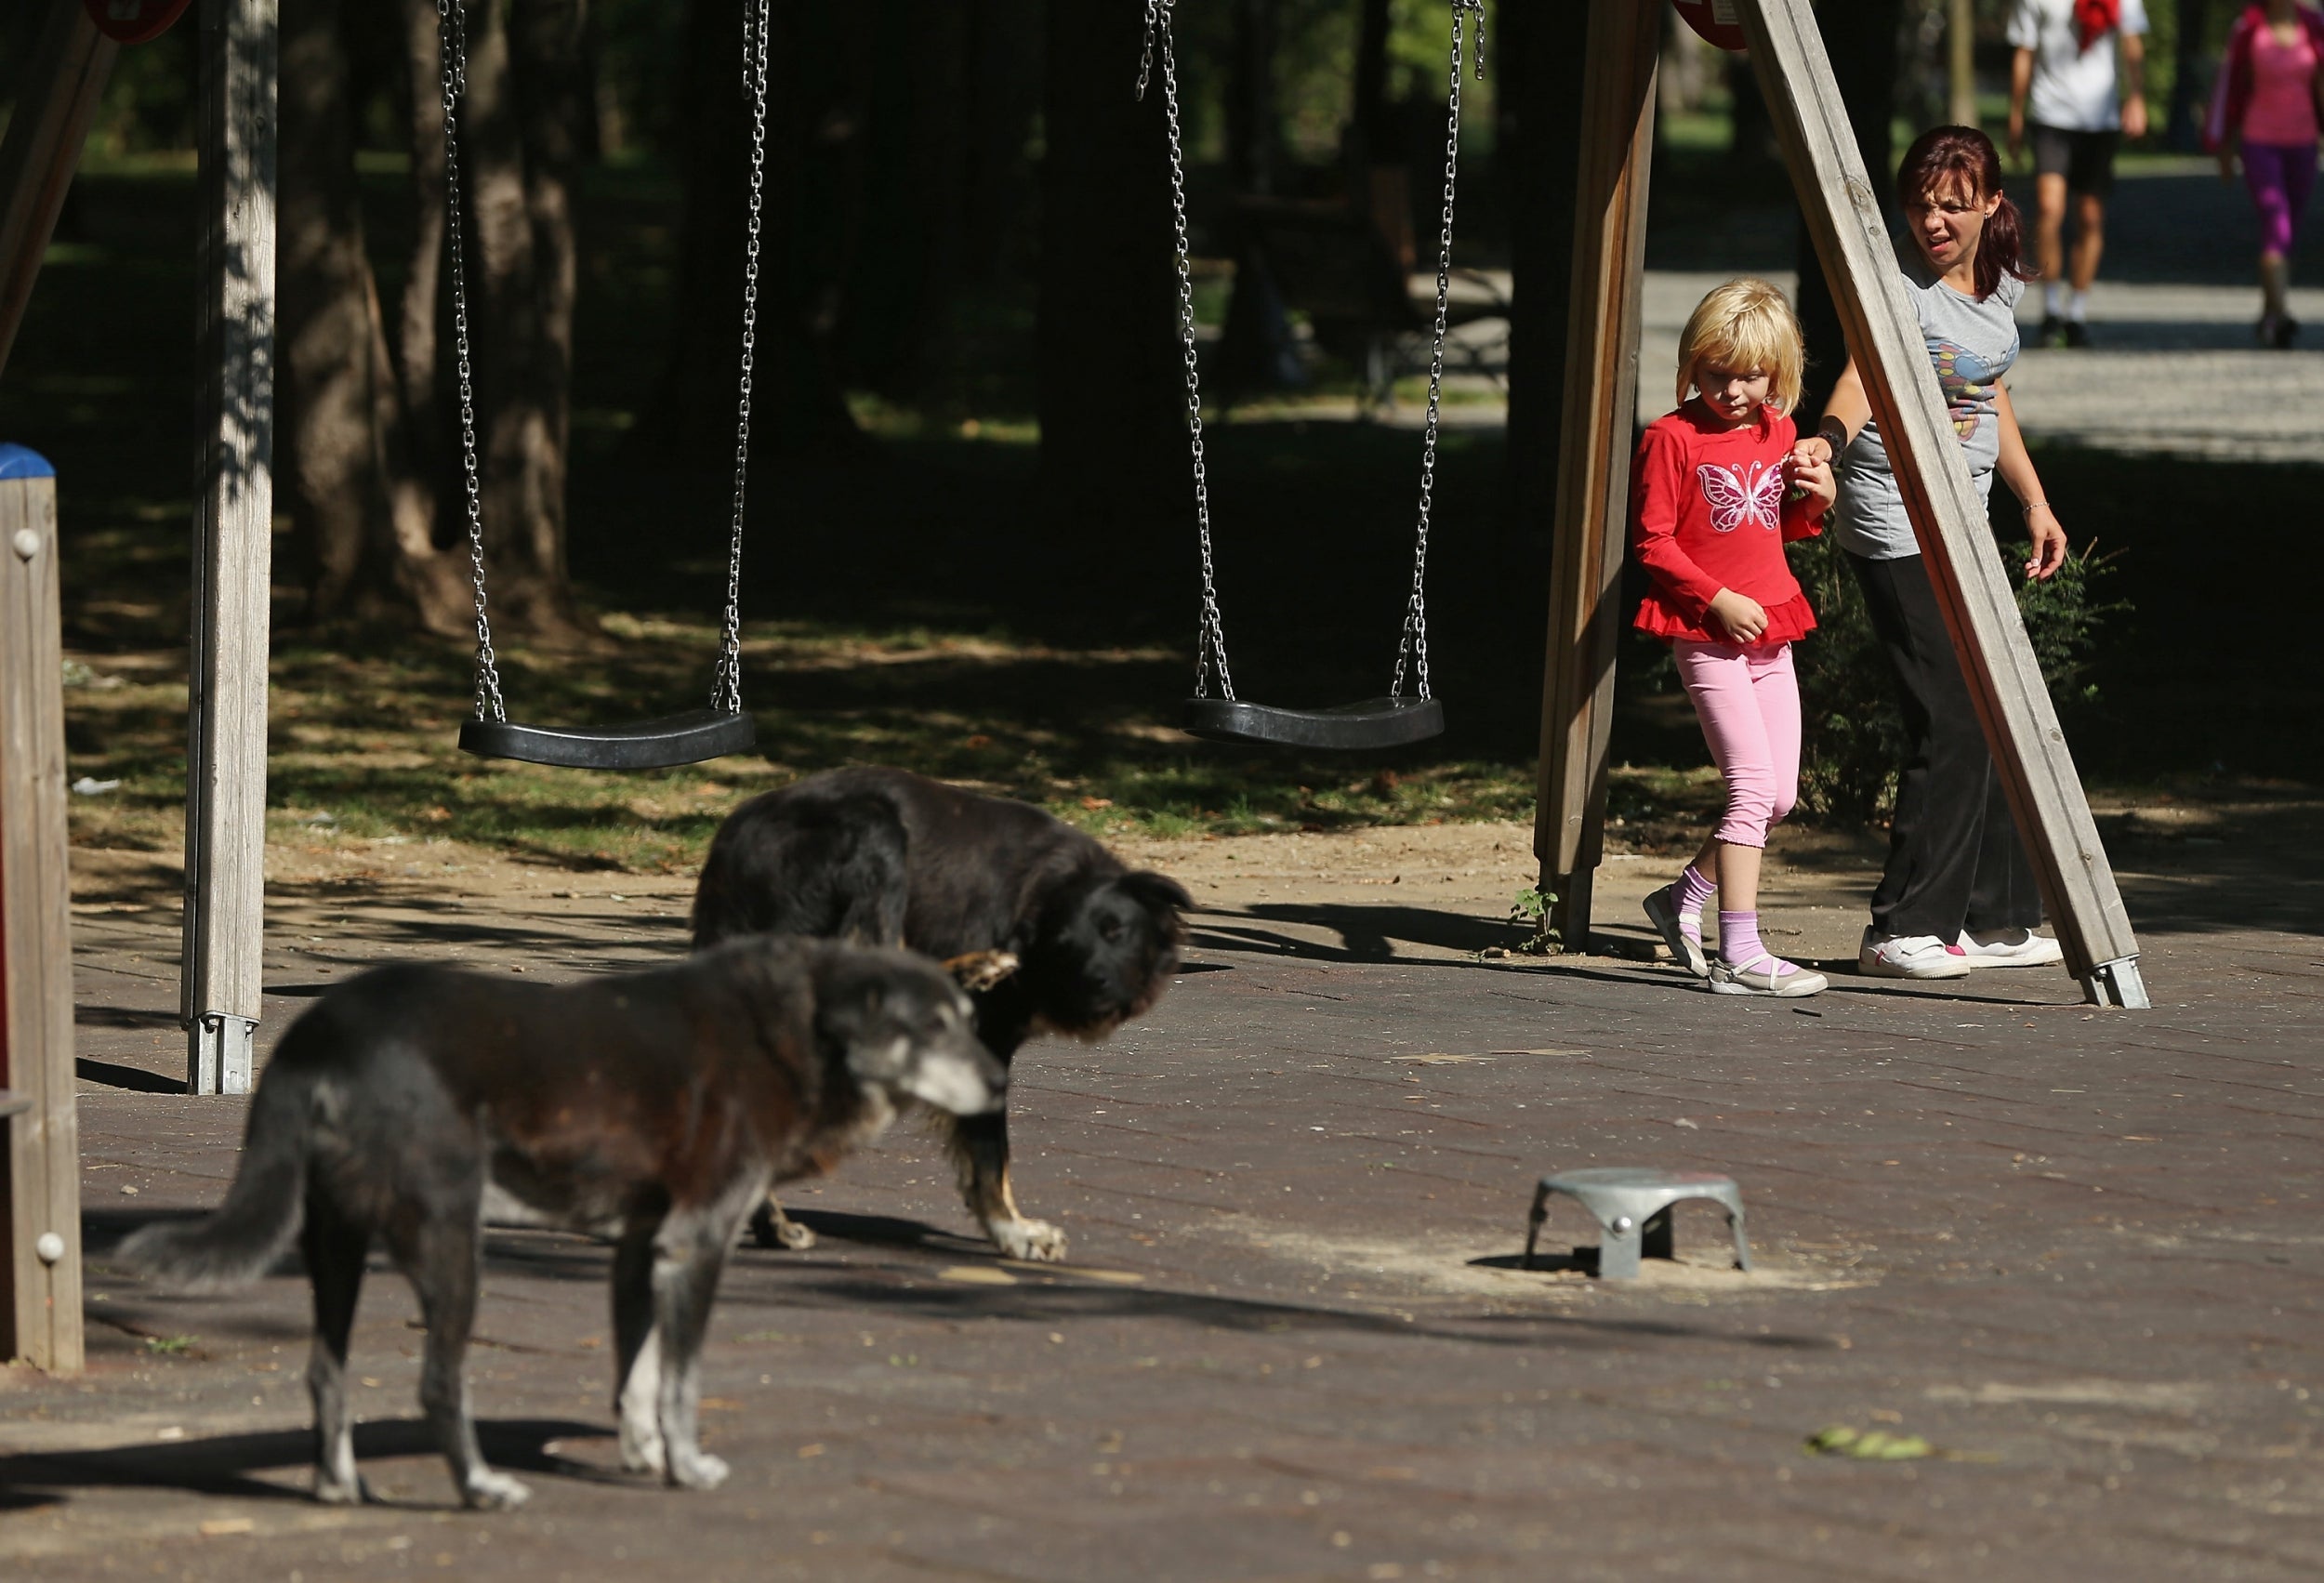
1812,475
1738,617
1814,451
2227,160
2049,541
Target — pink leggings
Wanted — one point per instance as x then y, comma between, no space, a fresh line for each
2280,178
1749,702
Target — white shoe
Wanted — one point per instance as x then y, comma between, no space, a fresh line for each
1909,956
1663,913
2011,948
1769,975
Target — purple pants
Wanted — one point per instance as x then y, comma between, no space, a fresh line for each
1748,702
2281,177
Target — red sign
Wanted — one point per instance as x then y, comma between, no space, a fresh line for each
1715,20
133,21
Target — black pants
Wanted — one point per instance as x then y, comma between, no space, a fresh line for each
1954,859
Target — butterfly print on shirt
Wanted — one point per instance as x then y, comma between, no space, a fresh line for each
1737,496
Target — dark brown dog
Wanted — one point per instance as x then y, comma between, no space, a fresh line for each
889,857
653,1107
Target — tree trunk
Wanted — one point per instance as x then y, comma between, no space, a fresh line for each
1110,390
1541,66
2187,88
366,433
519,127
799,401
1860,35
325,342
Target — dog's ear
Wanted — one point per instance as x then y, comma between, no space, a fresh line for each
1157,891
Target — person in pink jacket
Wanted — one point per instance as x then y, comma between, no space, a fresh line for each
2265,107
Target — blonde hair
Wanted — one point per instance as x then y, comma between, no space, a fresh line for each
1745,327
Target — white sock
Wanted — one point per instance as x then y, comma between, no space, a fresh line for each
2053,302
2078,307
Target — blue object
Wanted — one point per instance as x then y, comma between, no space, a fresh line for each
17,461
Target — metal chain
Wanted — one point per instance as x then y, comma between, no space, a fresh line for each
726,687
452,40
1414,646
1211,642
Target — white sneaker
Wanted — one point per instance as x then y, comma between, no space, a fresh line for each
2011,948
1663,913
1909,956
1769,975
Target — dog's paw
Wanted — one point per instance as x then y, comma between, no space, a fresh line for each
641,1455
769,1228
488,1491
1034,1240
698,1471
980,970
335,1491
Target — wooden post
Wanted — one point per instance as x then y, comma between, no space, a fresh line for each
1843,215
1960,75
233,528
59,85
40,1230
1601,407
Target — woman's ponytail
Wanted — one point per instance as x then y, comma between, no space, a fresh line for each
2002,252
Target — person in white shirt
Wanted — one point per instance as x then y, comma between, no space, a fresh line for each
2080,70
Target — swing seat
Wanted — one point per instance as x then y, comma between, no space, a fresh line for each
686,738
1351,728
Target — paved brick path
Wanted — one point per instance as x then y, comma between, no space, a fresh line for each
2081,1253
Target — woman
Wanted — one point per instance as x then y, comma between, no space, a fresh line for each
2266,105
1958,892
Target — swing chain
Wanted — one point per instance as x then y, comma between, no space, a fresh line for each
452,38
1414,646
1210,640
726,687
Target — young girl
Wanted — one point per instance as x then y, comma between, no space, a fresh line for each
1715,495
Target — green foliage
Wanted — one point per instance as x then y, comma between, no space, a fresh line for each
1530,913
1853,737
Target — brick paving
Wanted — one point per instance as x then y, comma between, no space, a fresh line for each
2081,1253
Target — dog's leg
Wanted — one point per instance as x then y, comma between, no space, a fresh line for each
443,1256
980,1147
769,1227
638,1354
334,1253
690,1251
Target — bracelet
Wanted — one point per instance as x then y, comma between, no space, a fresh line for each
2030,507
1834,433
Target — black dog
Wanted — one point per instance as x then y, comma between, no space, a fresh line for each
654,1107
889,857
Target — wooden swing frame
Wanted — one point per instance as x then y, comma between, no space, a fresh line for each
1843,209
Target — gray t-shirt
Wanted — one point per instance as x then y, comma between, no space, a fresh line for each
1972,344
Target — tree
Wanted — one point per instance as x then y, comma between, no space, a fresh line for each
365,429
1110,384
1860,35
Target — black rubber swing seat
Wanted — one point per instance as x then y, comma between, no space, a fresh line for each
686,738
1355,728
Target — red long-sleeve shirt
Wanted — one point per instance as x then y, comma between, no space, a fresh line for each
1709,511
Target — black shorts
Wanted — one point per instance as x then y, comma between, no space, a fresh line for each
2085,159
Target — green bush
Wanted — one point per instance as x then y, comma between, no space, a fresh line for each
1853,736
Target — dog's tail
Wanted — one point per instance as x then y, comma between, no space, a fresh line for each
236,1243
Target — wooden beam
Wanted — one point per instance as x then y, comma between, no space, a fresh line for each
1843,214
59,85
40,1228
1622,51
233,543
